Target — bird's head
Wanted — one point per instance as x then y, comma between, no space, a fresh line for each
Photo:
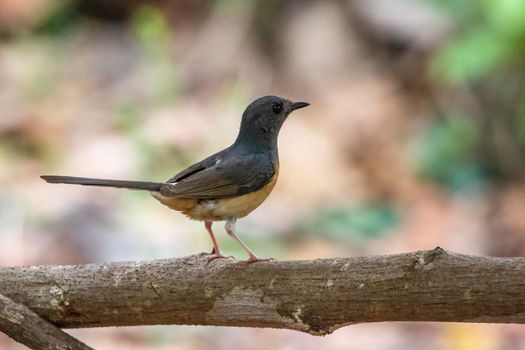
263,118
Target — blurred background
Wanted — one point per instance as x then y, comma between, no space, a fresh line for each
415,138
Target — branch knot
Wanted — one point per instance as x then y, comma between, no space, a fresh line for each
425,260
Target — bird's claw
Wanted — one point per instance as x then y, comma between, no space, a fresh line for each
219,255
254,259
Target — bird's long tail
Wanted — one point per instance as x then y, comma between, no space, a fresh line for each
134,185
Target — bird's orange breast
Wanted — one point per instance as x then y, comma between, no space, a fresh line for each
219,209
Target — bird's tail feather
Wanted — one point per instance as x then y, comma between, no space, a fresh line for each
134,185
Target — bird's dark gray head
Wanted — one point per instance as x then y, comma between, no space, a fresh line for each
262,120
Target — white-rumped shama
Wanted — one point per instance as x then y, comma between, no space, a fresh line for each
227,185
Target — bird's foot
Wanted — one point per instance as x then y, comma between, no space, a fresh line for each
254,259
213,255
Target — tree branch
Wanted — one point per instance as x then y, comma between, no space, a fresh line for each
317,296
26,327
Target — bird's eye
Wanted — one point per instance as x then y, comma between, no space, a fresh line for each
277,108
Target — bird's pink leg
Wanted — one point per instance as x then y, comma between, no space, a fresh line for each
216,252
230,229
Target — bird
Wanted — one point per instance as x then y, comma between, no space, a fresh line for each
227,185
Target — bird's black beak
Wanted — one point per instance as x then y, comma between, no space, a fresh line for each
297,105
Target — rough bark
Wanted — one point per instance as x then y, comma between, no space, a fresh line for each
316,296
26,327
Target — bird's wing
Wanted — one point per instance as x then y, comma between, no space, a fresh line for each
221,178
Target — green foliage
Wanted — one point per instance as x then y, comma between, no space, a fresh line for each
151,27
521,123
62,19
465,12
476,54
491,35
506,18
467,178
444,154
155,39
443,144
366,221
488,44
